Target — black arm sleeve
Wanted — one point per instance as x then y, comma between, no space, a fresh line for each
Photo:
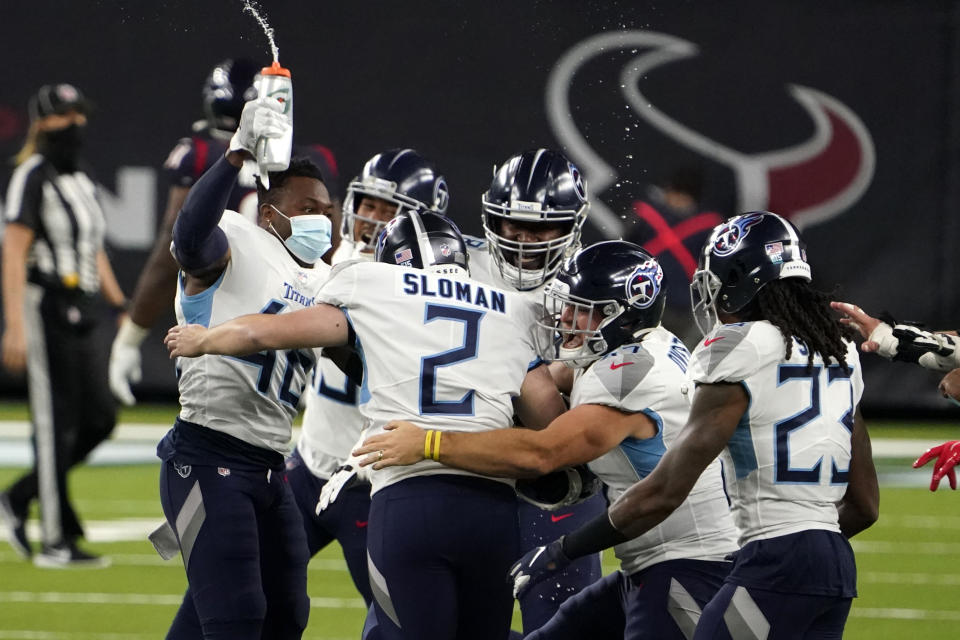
197,240
592,537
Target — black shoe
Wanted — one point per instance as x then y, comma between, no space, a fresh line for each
62,556
14,527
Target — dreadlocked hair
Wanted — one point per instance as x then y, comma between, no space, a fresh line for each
799,311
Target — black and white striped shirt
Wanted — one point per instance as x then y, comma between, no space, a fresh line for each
67,221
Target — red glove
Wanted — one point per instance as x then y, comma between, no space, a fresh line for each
947,455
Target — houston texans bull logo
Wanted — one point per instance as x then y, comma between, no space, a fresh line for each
808,182
727,239
643,285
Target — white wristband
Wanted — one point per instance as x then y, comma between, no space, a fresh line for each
883,336
130,333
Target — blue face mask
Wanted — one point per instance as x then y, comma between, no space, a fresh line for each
309,236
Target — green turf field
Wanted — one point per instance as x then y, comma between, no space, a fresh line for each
909,583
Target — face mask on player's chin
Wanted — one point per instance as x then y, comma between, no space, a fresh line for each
309,236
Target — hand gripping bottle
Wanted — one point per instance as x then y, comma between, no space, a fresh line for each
273,154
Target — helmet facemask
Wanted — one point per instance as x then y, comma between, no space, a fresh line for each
371,187
544,258
703,300
560,325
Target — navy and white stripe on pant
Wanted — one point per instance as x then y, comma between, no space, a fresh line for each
440,547
244,549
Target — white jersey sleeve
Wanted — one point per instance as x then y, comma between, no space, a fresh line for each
253,398
787,462
649,377
447,353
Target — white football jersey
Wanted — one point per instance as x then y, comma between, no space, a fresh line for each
787,462
253,398
332,422
448,353
650,377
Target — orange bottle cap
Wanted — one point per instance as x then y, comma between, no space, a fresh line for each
275,70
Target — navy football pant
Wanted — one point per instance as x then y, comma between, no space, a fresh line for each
244,549
538,527
595,612
440,547
345,520
742,613
661,602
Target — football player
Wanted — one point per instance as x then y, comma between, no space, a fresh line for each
629,402
394,181
227,88
222,484
437,346
533,213
778,391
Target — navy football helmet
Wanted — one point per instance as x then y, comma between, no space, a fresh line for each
424,240
228,87
604,296
739,258
539,187
399,176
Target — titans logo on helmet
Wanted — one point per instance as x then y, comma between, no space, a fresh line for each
730,236
643,285
441,195
577,181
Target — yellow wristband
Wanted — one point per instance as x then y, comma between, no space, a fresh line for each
427,444
436,446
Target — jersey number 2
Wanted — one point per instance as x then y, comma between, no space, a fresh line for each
429,405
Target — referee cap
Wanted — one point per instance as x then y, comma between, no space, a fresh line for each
57,99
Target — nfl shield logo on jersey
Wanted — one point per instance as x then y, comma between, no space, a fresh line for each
644,283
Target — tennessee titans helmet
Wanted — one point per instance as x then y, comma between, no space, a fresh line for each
399,176
424,240
228,87
538,187
739,258
604,296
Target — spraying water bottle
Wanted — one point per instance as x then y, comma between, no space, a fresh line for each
273,154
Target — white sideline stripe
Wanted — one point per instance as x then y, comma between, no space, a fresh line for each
901,548
154,560
938,579
920,521
906,614
127,432
150,599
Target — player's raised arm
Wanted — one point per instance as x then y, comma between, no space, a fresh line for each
320,326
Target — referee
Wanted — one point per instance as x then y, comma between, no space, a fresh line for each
54,266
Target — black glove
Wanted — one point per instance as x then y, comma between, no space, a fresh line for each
536,565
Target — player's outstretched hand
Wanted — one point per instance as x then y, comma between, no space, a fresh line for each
947,455
870,329
259,119
185,340
401,445
537,565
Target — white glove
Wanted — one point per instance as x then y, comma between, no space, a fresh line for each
347,474
259,119
905,342
125,360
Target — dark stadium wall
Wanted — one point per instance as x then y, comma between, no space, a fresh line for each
841,116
